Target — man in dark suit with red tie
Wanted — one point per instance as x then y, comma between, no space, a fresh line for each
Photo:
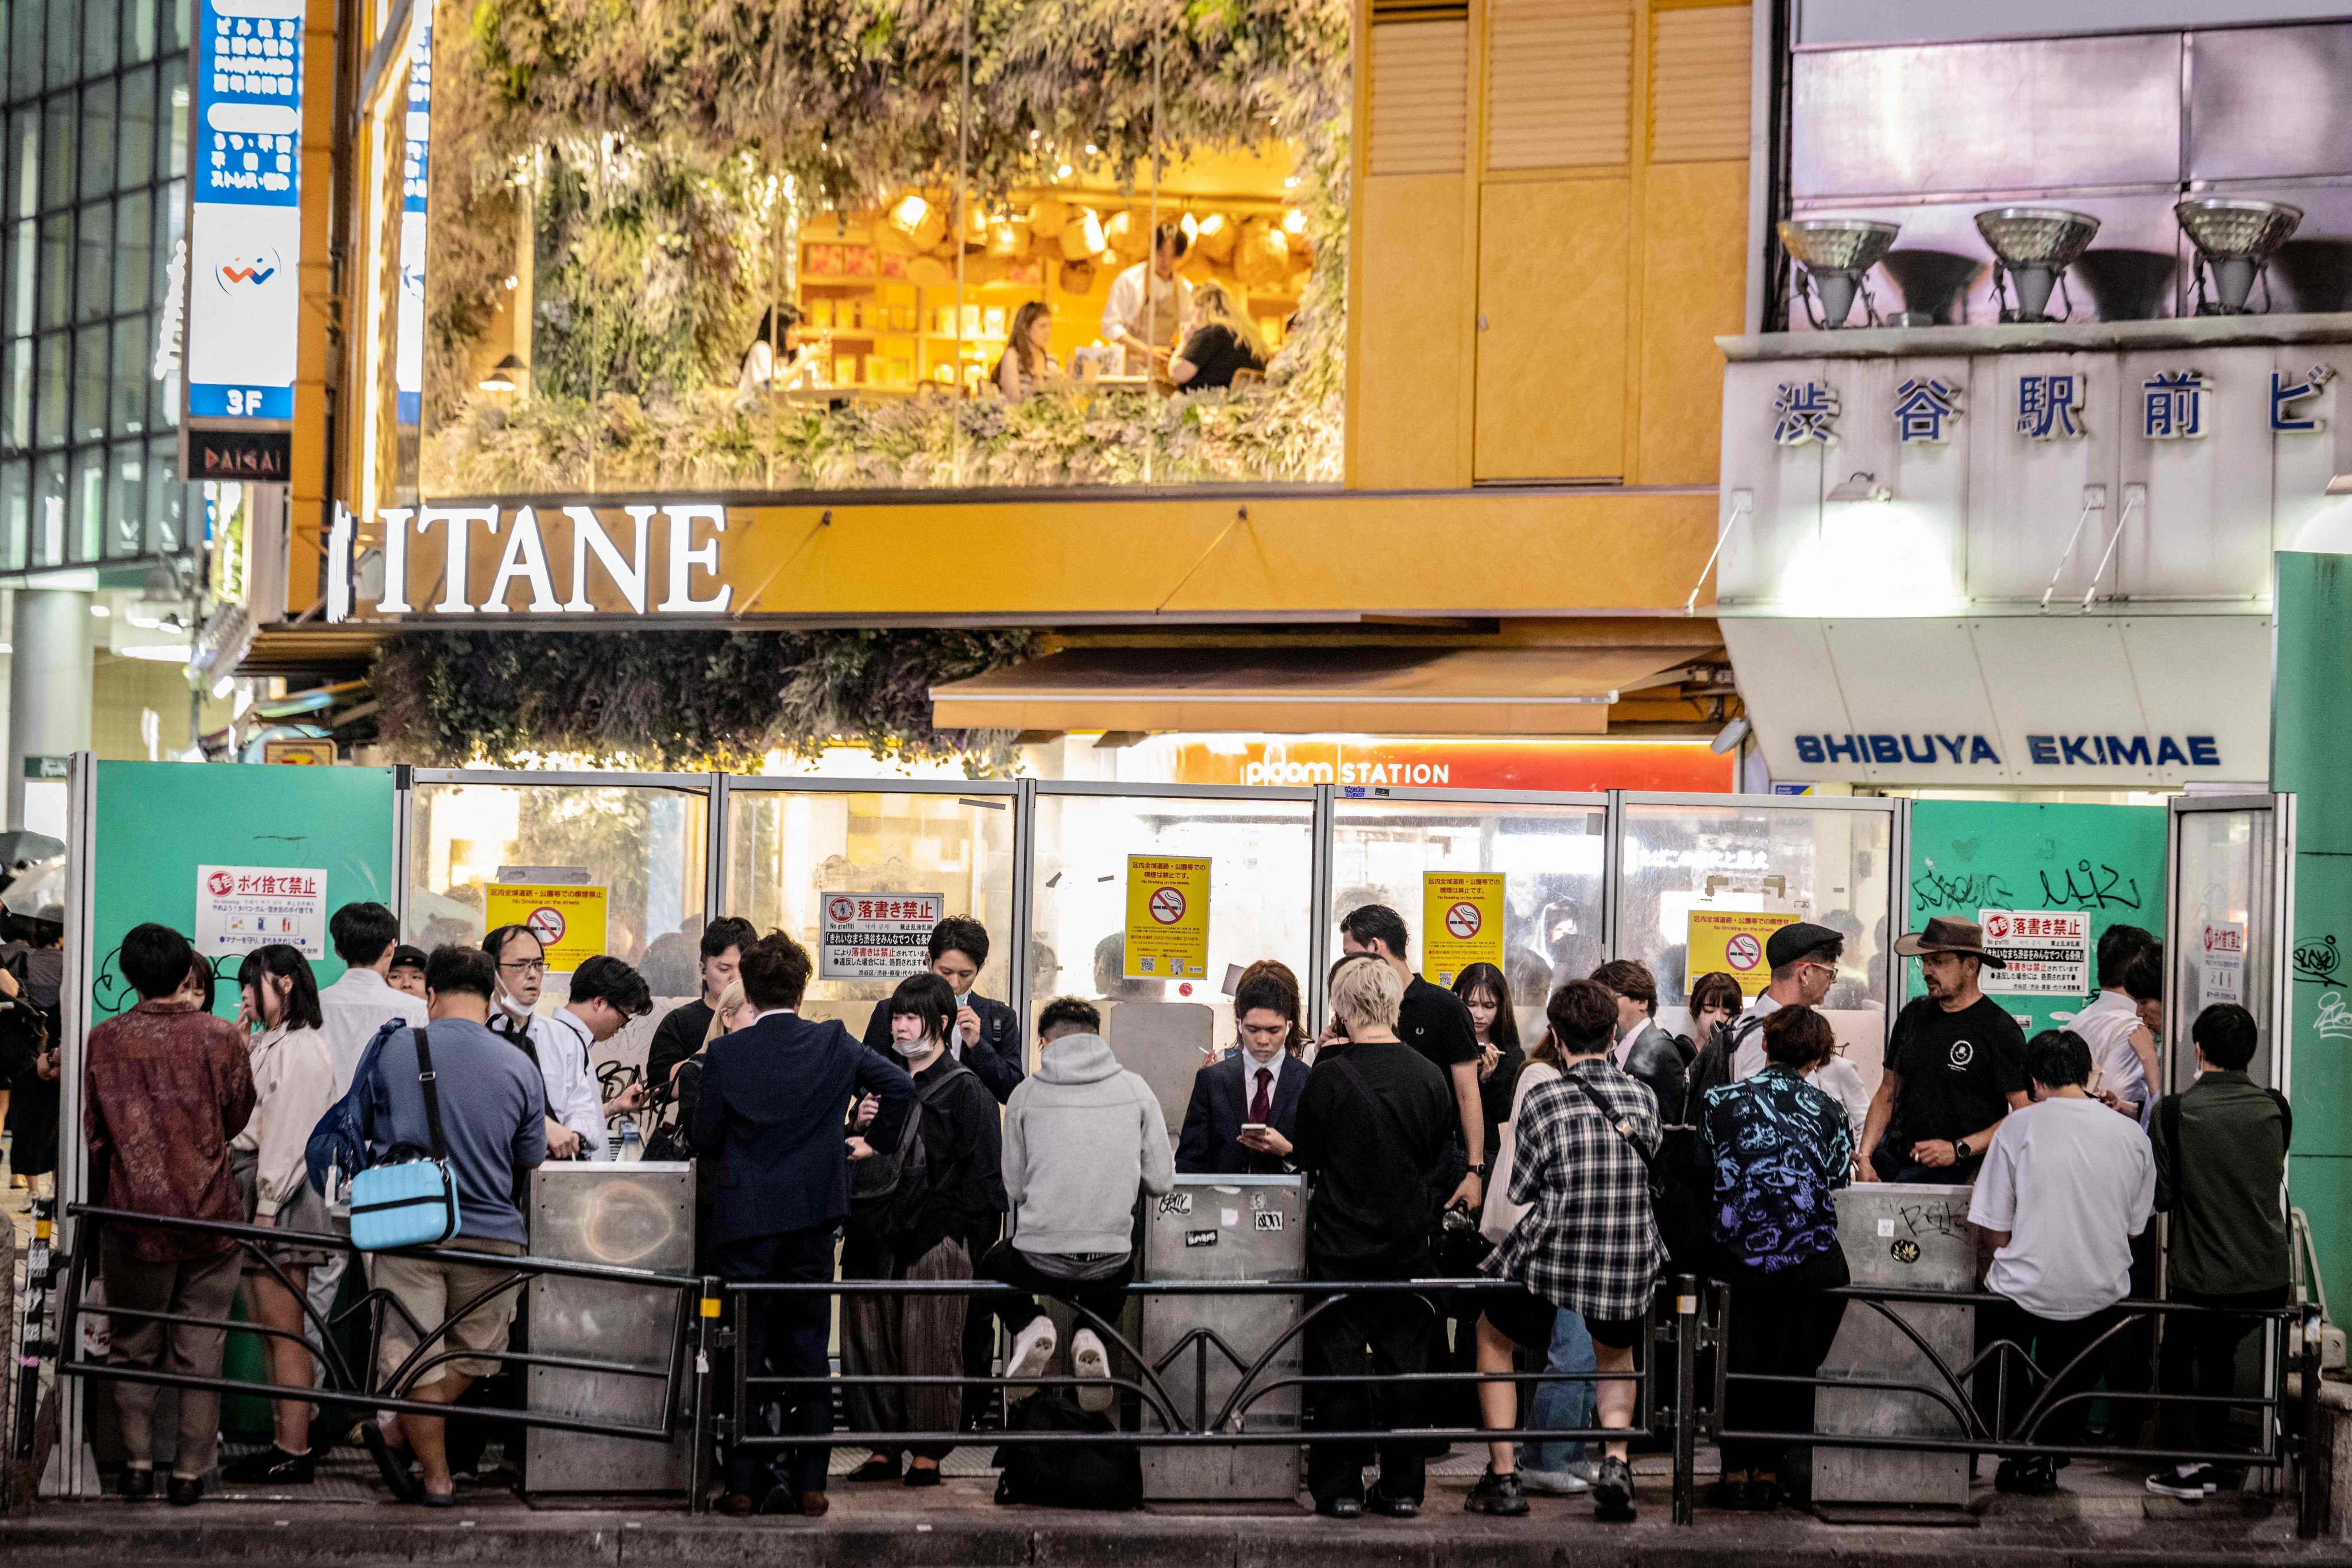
1244,1107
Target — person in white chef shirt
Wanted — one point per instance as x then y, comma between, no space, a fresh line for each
1148,303
576,1110
2123,1050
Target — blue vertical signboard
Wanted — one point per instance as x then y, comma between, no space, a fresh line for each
245,236
408,343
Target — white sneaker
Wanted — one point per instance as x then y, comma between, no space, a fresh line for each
1033,1347
1088,1358
1553,1483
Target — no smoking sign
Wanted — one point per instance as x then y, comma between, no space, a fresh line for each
1743,951
547,925
1167,906
1462,922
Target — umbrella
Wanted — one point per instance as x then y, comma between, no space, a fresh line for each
22,844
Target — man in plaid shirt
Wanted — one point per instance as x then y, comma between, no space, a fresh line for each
1583,1145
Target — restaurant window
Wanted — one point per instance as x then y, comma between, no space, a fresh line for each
922,265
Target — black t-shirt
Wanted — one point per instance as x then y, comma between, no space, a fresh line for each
1369,1207
1959,1070
1217,354
1436,1023
678,1036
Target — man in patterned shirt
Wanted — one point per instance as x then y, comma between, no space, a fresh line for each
1779,1148
1588,1241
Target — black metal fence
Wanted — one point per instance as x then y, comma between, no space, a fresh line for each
723,1398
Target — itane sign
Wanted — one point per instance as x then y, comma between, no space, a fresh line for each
661,559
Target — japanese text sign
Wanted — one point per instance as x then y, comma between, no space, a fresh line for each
1462,923
240,907
1167,917
1731,942
875,936
567,917
2048,952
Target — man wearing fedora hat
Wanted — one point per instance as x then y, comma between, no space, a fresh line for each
1955,1066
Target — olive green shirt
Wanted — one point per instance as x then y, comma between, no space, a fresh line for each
2222,1187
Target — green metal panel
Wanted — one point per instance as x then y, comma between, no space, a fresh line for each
2311,756
157,822
1967,855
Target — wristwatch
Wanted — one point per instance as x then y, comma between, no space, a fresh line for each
1960,1149
1481,1169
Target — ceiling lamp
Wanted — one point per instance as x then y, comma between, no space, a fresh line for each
2035,246
2235,237
1835,252
504,376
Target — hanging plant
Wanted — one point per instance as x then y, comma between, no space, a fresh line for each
681,700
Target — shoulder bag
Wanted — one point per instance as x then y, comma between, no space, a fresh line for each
411,1199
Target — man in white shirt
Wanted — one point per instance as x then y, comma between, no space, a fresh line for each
1803,961
361,1002
1142,319
575,1113
605,994
2065,1187
2123,1050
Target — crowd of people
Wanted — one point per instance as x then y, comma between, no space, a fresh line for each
1574,1171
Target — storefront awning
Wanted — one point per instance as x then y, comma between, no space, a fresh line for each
1359,690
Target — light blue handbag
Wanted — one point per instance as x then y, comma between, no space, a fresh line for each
412,1199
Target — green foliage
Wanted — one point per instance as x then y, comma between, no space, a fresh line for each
680,701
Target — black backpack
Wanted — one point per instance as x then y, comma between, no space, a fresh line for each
885,1191
1065,1474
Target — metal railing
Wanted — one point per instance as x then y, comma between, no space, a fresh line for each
361,1385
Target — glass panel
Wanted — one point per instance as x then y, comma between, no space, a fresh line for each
97,139
25,162
131,344
88,524
1260,882
135,151
788,851
95,296
65,43
49,518
98,36
176,128
50,405
57,168
89,384
167,496
126,504
1827,867
1550,857
24,49
2226,896
134,267
177,12
57,269
19,279
15,513
140,39
646,846
17,396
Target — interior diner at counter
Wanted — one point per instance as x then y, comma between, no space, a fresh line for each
1538,1143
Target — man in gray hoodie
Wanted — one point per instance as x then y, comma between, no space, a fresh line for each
1082,1134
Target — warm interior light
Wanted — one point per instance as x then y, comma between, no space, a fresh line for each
504,376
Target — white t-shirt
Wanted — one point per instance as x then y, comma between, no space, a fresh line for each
1747,1038
350,1012
1841,1081
2072,1182
2107,1027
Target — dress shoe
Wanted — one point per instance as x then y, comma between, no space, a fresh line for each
135,1484
186,1489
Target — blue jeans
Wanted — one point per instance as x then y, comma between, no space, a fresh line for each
1562,1406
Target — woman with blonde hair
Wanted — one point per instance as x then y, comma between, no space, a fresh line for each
1223,341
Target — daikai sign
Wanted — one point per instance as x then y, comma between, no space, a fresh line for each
662,559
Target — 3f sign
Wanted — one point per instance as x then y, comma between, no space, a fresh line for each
689,543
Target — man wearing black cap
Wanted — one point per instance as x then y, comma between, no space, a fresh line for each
1954,1066
1803,959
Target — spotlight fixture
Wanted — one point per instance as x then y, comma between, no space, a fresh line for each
1860,486
504,376
1835,252
2235,238
2034,246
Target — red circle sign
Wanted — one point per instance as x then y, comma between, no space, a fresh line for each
843,909
1743,951
547,925
1167,905
1462,922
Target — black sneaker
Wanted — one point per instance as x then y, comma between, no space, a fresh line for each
1499,1495
1613,1491
135,1484
2033,1475
880,1467
2190,1487
1763,1497
1340,1508
272,1467
1380,1499
923,1476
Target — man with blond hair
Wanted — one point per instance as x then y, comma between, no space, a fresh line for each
1373,1123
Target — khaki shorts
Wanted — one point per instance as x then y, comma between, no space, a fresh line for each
431,1288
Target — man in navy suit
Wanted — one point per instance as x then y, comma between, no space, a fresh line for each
1256,1087
988,1033
769,1134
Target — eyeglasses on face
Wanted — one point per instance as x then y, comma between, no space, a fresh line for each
526,966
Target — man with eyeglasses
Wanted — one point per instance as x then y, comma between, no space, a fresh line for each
1803,958
575,1109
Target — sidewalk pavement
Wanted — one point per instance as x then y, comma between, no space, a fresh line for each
2103,1519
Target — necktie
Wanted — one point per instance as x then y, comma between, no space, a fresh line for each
1264,1104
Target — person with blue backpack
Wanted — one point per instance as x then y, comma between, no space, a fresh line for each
478,1107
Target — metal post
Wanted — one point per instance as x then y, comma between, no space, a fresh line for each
2311,1502
1025,900
1686,1397
1613,874
1318,916
714,849
706,1334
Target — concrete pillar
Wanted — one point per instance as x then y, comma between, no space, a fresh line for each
48,699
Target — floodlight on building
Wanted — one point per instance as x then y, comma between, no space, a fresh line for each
1835,252
1860,486
2034,246
2235,239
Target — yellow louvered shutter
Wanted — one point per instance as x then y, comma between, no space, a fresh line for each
1421,90
1560,84
1698,85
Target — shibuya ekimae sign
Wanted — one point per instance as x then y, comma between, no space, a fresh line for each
661,559
2042,751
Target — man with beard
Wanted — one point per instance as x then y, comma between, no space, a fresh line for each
1954,1066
